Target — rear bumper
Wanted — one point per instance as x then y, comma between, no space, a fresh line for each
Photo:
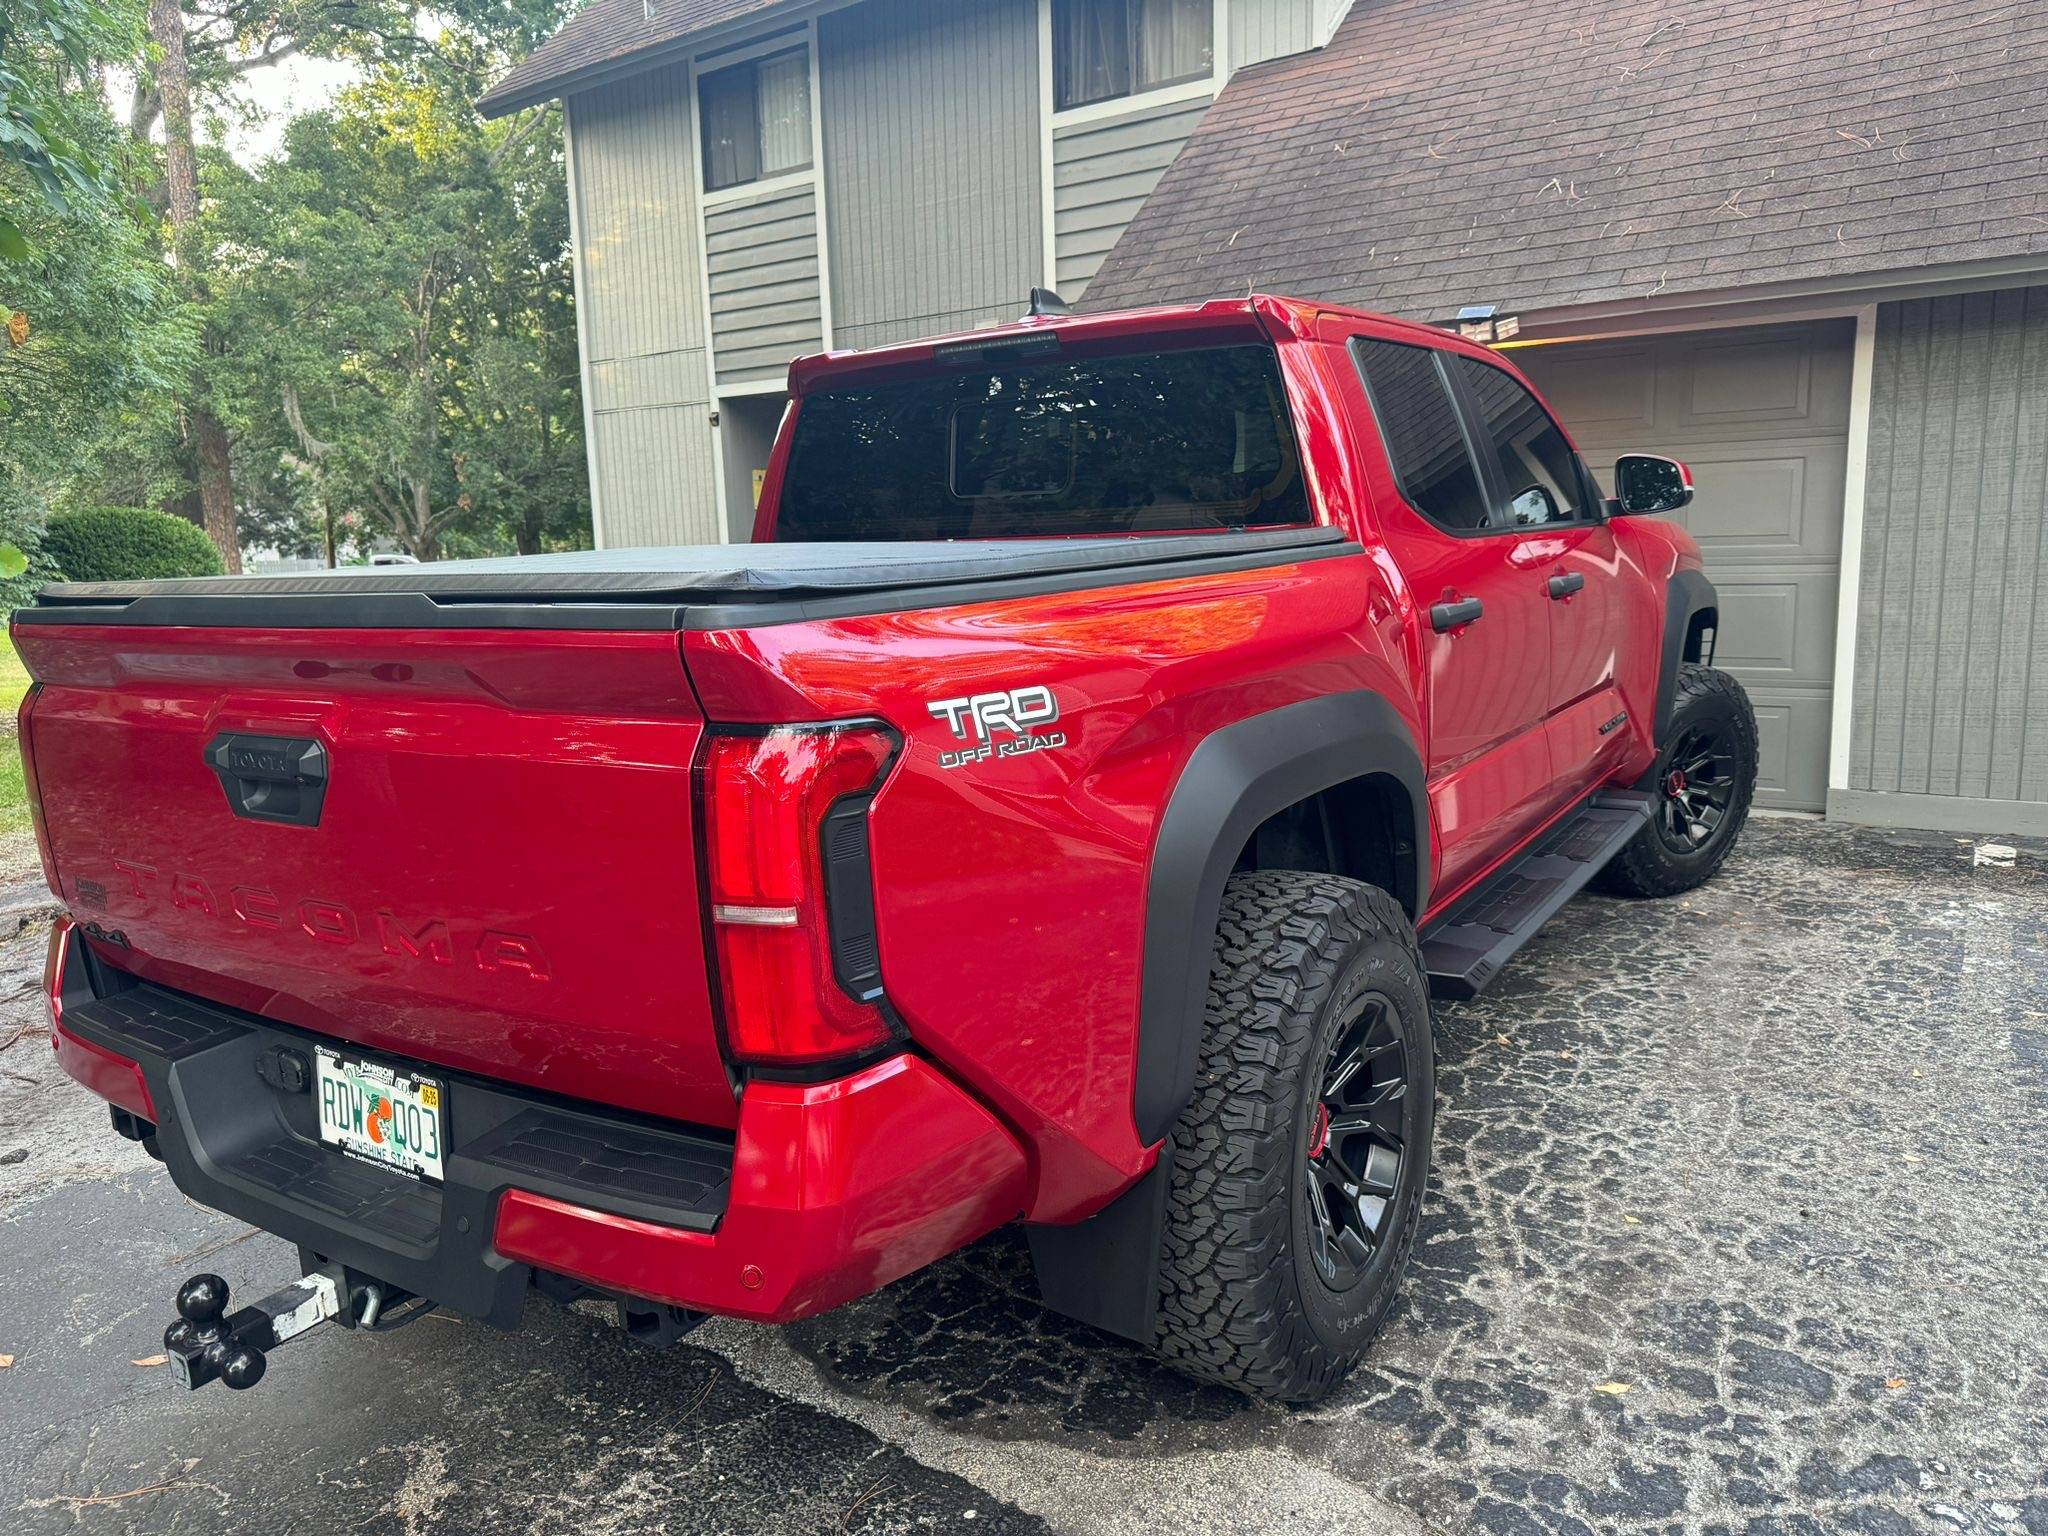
826,1191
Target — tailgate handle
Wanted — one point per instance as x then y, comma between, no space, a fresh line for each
271,778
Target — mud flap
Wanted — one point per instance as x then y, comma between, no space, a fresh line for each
1105,1271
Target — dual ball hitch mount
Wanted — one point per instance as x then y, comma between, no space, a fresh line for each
209,1343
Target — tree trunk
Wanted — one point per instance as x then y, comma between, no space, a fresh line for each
174,93
181,194
217,488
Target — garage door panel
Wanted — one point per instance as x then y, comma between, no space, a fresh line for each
1779,631
1769,503
1761,415
1601,396
1782,382
1792,749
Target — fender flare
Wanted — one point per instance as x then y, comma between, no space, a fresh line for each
1104,1271
1689,595
1234,780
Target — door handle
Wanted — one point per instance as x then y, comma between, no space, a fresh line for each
1562,587
1455,615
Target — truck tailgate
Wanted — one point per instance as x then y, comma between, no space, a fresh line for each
469,847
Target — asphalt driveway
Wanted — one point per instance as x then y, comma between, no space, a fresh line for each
1740,1225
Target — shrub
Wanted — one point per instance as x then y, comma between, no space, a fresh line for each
128,544
21,524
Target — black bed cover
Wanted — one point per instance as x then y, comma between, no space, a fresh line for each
705,586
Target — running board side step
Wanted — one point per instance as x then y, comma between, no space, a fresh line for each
1465,948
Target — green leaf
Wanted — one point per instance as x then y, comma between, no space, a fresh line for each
13,244
12,562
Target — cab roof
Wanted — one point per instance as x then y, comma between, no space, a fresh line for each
1255,316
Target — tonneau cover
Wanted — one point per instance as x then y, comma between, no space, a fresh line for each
688,586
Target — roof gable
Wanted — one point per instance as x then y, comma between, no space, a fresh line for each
605,33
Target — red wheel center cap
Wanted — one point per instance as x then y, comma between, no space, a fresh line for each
1319,1132
1675,785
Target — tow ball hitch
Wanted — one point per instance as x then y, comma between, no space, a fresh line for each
206,1343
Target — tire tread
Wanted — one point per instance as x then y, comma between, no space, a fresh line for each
1229,1312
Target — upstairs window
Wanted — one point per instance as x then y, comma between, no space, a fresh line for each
756,119
1103,49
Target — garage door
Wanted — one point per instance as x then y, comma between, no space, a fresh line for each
1762,416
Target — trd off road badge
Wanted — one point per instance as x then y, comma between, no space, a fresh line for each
998,724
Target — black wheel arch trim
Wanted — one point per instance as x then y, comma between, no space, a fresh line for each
1235,779
1689,595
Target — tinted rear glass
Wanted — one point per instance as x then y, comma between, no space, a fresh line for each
1139,443
1423,438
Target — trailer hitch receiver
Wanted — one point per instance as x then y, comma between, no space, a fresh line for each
206,1343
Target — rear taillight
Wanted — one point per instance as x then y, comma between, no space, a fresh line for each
792,903
26,731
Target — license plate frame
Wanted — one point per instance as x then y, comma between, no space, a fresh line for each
388,1116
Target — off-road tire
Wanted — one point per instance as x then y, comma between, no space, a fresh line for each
1651,865
1241,1301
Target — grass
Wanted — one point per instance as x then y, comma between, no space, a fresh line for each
13,678
13,789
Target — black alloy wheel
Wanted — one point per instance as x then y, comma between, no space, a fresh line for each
1699,788
1355,1150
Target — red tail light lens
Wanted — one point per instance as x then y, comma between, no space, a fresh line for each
788,996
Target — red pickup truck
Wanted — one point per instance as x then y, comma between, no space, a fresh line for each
1062,813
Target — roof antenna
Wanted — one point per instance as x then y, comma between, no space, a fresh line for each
1044,303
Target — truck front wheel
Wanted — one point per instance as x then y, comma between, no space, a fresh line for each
1299,1166
1704,778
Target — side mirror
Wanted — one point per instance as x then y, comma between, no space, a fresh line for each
1646,483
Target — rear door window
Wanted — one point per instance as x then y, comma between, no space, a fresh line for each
1425,440
1158,441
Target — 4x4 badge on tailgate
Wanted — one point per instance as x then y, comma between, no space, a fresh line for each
1015,713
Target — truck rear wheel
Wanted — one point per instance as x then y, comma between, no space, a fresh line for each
1299,1166
1704,778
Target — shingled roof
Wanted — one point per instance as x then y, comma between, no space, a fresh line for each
603,34
1442,152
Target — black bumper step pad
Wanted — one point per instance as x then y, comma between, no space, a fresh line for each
1464,949
615,1163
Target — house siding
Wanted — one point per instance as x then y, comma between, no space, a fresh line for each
1269,29
1103,169
1951,682
643,323
766,305
932,172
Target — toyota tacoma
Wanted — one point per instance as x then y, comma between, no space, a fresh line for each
1062,813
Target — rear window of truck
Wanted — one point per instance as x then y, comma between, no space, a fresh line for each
1146,442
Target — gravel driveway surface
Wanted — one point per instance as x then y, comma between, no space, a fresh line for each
1740,1225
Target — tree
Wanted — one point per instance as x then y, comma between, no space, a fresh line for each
96,333
181,198
49,49
405,310
208,46
371,332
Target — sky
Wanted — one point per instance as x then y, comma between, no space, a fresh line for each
279,93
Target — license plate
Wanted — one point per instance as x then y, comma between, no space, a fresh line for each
380,1115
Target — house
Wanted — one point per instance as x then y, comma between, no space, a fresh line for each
755,179
1801,244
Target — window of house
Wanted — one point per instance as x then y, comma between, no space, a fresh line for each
756,119
1424,440
1103,49
1539,471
